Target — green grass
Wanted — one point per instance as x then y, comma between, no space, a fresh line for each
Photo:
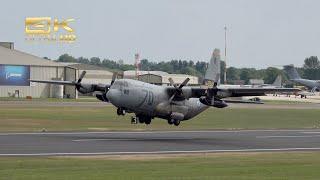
285,102
281,165
105,118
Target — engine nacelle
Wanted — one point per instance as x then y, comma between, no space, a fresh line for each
213,102
86,88
102,97
177,116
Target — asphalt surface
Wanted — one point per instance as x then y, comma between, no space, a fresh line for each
98,104
159,142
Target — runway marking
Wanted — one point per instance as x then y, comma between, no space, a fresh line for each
311,132
104,139
159,152
289,136
153,132
128,139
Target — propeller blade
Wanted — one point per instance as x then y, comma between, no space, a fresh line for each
184,83
114,76
172,83
81,76
171,98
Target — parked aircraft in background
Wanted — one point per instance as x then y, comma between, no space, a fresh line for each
313,85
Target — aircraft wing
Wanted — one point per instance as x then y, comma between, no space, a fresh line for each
241,91
81,87
71,83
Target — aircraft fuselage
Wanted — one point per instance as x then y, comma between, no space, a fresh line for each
150,100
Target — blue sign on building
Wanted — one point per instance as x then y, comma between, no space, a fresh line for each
11,75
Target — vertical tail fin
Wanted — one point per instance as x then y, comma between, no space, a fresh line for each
291,72
278,81
213,71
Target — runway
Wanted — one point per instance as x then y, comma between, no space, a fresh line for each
156,142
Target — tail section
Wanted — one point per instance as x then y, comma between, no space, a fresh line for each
278,81
213,71
291,72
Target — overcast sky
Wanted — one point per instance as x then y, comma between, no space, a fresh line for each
260,33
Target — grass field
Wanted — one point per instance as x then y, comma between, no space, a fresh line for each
105,118
280,165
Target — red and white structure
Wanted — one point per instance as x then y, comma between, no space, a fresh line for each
137,64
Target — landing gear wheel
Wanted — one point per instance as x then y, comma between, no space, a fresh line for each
170,121
141,120
176,122
121,111
147,121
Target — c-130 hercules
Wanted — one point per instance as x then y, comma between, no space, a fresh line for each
173,103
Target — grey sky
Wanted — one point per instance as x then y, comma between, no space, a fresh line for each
261,33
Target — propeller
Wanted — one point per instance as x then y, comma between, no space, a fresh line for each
84,88
103,95
211,98
178,90
78,84
114,76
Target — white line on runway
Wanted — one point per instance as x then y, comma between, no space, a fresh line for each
105,139
160,152
292,136
151,132
311,132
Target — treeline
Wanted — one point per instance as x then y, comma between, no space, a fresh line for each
310,70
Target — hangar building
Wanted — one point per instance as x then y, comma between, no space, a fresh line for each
16,68
160,77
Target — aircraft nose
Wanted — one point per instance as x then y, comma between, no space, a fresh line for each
111,95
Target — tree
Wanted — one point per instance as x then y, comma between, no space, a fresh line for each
248,73
222,70
271,74
232,74
83,60
66,58
311,62
95,61
311,68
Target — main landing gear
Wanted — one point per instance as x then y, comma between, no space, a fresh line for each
176,122
121,112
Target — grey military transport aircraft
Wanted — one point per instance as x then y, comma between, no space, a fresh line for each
174,103
313,85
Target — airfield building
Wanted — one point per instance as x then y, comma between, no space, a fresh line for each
17,67
160,77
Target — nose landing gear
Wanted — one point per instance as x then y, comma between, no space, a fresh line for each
121,111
